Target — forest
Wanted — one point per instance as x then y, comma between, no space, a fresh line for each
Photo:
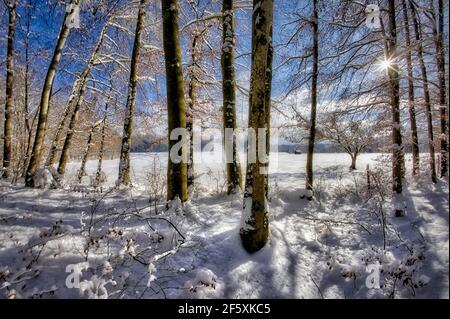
204,149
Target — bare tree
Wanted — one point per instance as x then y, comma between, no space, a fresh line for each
426,90
89,144
255,228
101,151
29,122
352,135
411,101
42,124
77,99
9,107
234,175
124,164
438,32
394,89
176,105
313,113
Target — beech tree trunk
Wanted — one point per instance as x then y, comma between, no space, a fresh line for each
411,106
192,100
233,167
28,123
440,59
394,86
312,124
426,91
77,100
255,228
176,105
41,129
9,107
102,144
82,170
124,164
51,158
353,165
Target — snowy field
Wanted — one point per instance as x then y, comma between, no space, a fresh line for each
125,244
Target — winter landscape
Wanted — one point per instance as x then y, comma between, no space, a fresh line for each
224,149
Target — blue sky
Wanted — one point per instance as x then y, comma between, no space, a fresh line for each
46,22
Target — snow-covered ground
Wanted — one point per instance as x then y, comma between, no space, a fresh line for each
331,247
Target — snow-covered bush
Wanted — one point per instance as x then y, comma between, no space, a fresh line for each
217,178
398,275
204,285
95,288
156,182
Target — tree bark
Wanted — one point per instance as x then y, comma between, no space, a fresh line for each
102,143
426,91
176,105
9,107
440,61
255,228
394,86
51,159
315,73
28,124
192,100
41,129
77,100
233,167
124,164
82,170
353,165
411,106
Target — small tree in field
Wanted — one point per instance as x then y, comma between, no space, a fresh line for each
351,135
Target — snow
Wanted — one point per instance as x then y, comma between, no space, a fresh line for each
204,285
73,18
43,178
330,247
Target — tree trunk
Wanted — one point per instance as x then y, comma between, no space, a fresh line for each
124,164
440,59
255,228
353,165
192,94
78,100
102,144
82,171
41,129
426,91
234,174
315,73
411,106
28,125
394,86
9,107
176,106
51,159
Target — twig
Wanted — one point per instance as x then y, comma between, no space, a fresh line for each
318,288
338,222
